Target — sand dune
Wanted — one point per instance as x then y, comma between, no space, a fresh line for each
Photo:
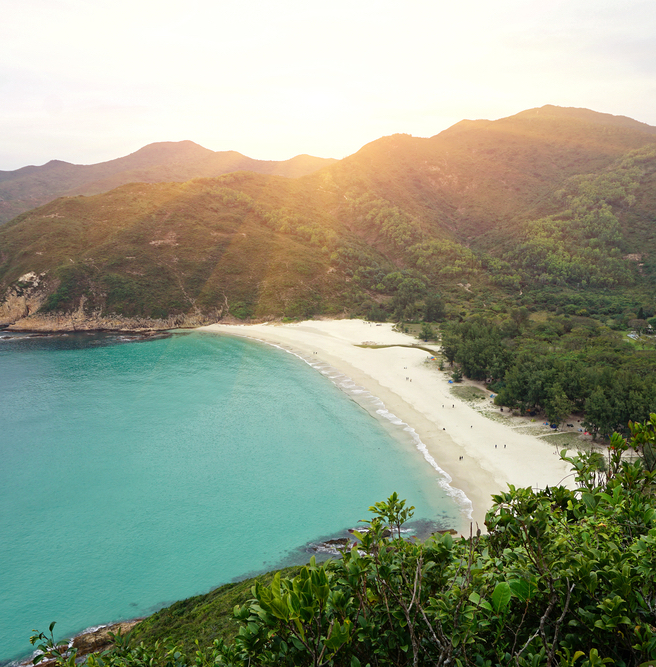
493,454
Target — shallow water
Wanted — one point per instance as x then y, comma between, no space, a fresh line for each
137,473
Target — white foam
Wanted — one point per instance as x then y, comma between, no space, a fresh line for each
93,628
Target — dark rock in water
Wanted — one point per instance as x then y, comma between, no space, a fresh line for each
332,546
341,541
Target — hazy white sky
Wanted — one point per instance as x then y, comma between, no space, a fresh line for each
91,80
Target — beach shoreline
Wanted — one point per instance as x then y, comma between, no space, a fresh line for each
479,456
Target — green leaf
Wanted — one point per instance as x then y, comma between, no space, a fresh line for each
338,635
275,585
280,609
474,597
589,500
520,588
301,630
321,591
501,596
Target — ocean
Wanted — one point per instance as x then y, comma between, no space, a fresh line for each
136,473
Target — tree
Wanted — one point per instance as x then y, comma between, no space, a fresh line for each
456,376
599,413
557,407
426,333
638,324
450,344
408,291
434,309
520,316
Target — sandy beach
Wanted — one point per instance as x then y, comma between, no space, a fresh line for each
480,455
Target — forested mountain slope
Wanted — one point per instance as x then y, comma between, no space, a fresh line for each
544,209
25,188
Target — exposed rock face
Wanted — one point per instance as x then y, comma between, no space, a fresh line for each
99,640
93,640
19,311
25,296
81,321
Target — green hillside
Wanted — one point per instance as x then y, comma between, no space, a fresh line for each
544,209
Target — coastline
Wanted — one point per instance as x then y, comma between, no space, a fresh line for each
95,639
417,401
493,454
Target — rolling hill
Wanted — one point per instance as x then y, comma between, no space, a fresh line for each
25,188
545,209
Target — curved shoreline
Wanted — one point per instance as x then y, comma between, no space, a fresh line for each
358,393
480,456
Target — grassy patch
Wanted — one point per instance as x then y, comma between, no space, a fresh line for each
412,347
203,617
540,316
533,429
571,440
468,393
642,342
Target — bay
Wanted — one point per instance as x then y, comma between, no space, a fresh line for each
134,474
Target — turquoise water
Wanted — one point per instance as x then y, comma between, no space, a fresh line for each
134,474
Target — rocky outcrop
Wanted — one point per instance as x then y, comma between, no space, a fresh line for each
19,311
81,321
99,639
23,297
93,640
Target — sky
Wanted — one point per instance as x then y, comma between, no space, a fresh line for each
92,80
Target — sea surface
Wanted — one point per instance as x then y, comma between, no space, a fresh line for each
136,473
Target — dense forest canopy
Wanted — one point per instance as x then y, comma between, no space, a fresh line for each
562,365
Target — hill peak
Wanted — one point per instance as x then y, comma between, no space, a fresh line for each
164,151
554,120
586,115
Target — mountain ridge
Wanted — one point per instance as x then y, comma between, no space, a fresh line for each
541,210
31,186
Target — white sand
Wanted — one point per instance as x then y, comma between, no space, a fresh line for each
494,455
